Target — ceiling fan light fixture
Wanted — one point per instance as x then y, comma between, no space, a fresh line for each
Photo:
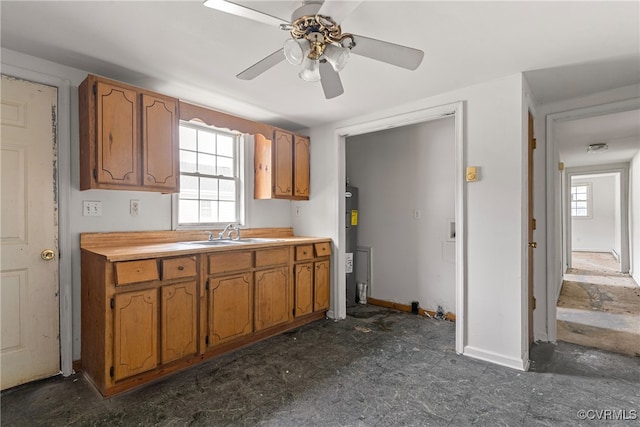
310,71
597,148
296,50
336,56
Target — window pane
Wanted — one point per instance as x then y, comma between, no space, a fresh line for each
208,188
206,142
208,211
188,187
187,161
225,166
225,145
207,164
187,138
581,212
227,190
580,196
227,211
581,205
188,211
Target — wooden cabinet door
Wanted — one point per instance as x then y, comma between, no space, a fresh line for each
178,323
301,168
271,298
283,164
230,307
303,289
116,135
160,143
321,281
135,341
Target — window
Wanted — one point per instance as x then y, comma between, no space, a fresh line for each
210,184
581,201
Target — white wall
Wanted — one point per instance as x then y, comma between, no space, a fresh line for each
596,233
495,139
398,171
634,223
617,218
155,212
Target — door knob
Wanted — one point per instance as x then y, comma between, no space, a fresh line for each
533,245
47,255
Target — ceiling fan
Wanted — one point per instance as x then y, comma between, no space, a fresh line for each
318,44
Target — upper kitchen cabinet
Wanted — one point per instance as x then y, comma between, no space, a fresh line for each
128,138
281,166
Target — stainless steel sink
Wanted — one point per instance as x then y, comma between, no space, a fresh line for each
217,242
257,240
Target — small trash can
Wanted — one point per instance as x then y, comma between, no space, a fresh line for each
362,292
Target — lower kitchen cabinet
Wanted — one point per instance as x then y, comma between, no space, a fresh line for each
145,317
135,339
179,314
303,289
271,298
230,307
312,278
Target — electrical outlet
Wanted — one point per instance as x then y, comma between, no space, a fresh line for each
91,208
134,207
417,214
298,211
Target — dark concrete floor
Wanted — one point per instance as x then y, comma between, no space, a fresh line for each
376,368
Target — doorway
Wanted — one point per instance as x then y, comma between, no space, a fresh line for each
455,110
29,286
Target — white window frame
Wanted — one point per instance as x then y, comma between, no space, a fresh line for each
241,176
589,214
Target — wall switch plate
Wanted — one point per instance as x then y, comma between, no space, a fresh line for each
134,207
472,174
417,214
91,208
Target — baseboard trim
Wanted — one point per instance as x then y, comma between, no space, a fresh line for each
407,307
521,364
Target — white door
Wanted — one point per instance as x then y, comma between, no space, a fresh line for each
29,309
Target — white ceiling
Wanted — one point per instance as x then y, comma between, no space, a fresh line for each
187,50
620,131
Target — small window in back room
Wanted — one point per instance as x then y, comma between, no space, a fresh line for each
210,184
581,201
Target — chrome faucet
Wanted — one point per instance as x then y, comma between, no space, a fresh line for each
210,235
229,229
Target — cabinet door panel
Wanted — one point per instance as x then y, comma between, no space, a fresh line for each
117,127
283,160
230,307
178,325
303,289
135,333
301,168
321,286
159,142
271,298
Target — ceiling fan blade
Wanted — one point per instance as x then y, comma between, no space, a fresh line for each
395,54
338,10
261,66
330,81
245,12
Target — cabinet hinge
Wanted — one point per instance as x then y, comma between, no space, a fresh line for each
206,286
534,224
95,173
95,89
113,303
293,312
534,144
206,340
533,304
111,372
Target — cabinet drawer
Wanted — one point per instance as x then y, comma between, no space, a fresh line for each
304,252
178,267
272,257
233,261
322,249
136,271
